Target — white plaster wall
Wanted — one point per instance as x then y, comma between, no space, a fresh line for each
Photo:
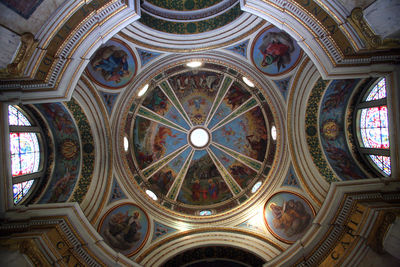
12,258
351,4
20,25
383,17
9,42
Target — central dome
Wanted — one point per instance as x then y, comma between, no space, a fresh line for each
200,138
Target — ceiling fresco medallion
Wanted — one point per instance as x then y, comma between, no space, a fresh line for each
125,228
288,215
274,52
113,65
200,139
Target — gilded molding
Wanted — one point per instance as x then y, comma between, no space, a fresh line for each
25,51
375,239
366,33
343,225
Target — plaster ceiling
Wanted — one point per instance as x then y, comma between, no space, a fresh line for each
218,175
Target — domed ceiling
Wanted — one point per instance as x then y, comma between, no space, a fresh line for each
200,139
190,16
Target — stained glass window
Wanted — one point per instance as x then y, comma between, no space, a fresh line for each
378,91
382,162
24,151
15,117
21,189
374,127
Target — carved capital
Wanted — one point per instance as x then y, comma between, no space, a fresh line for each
356,19
25,51
375,240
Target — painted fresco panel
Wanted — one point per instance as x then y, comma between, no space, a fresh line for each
274,52
240,49
235,97
242,174
153,141
158,102
161,230
125,228
332,129
203,184
246,134
162,180
116,192
67,160
113,65
288,216
196,91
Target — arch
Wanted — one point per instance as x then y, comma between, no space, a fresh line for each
55,66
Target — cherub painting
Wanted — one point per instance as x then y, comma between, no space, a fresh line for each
274,52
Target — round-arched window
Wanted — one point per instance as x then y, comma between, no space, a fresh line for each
26,152
373,127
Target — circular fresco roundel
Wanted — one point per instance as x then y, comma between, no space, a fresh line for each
288,216
200,139
113,65
125,228
274,52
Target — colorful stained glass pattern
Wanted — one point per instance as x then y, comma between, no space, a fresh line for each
378,92
25,153
21,189
382,162
15,117
374,127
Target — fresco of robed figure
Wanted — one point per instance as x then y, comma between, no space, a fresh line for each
288,216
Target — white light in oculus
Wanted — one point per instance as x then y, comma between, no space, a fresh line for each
151,194
126,143
194,64
273,132
199,137
248,82
143,90
256,186
205,213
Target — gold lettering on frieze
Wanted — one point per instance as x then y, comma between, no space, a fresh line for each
328,23
349,237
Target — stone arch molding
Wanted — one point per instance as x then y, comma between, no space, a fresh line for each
63,47
66,43
327,33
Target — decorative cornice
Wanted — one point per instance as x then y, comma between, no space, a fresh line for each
25,51
365,32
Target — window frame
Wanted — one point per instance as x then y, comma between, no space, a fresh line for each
38,175
363,104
